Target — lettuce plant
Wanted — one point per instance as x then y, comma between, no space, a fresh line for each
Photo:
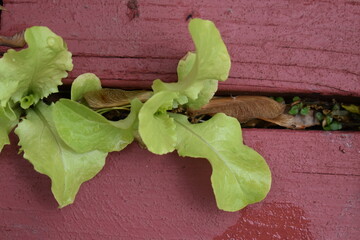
68,141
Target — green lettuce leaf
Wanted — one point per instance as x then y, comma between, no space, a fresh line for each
49,155
85,130
9,118
185,66
205,95
240,175
35,71
156,128
84,83
199,72
208,86
27,101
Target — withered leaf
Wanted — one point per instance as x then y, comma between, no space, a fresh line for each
244,108
16,41
107,97
352,108
295,121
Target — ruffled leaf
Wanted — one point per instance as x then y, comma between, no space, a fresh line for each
199,72
85,130
36,70
240,175
8,120
205,95
208,88
84,83
156,128
44,148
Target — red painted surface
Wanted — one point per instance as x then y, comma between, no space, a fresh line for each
279,46
301,46
138,195
290,222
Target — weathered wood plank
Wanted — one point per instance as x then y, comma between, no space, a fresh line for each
315,195
276,46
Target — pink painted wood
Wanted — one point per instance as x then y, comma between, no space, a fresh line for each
138,195
277,46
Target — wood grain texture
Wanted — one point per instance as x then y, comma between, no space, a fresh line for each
315,195
276,46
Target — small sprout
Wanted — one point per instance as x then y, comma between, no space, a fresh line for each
294,110
280,99
336,107
304,111
296,99
27,101
328,119
339,113
319,116
335,125
327,128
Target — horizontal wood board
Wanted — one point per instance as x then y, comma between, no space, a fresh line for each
315,195
276,46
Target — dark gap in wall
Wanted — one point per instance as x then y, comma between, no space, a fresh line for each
221,93
324,104
290,95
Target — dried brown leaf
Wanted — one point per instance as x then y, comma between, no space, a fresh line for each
107,97
16,41
243,108
295,121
